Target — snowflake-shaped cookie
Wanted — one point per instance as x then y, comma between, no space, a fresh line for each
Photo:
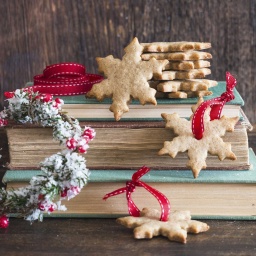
198,149
127,79
176,228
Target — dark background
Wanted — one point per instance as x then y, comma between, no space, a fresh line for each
36,33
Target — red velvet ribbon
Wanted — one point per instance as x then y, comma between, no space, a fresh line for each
130,188
216,105
65,79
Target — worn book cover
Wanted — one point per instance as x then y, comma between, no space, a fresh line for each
119,145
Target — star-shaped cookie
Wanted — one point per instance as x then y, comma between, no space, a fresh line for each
198,149
176,228
127,79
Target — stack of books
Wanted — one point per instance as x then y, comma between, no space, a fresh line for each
224,190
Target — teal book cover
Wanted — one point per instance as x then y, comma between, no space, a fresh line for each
216,91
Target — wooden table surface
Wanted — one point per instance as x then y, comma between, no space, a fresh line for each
65,236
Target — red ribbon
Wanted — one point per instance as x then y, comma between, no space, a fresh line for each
216,105
130,187
65,79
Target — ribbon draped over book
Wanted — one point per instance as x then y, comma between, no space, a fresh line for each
65,79
216,105
130,188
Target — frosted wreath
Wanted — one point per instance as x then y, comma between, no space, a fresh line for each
64,173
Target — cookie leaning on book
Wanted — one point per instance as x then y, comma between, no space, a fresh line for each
197,149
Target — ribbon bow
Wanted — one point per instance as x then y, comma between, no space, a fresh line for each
130,188
65,79
216,105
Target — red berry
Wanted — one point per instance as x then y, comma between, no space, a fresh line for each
89,133
71,143
81,149
64,192
3,122
8,95
58,100
51,208
47,98
4,221
41,207
44,97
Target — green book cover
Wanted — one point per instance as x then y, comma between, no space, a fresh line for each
217,91
92,110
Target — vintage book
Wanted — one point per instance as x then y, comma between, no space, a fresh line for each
213,195
91,109
119,145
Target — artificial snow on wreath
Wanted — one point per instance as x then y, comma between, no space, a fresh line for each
64,173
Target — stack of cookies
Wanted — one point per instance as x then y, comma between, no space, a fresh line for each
183,76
